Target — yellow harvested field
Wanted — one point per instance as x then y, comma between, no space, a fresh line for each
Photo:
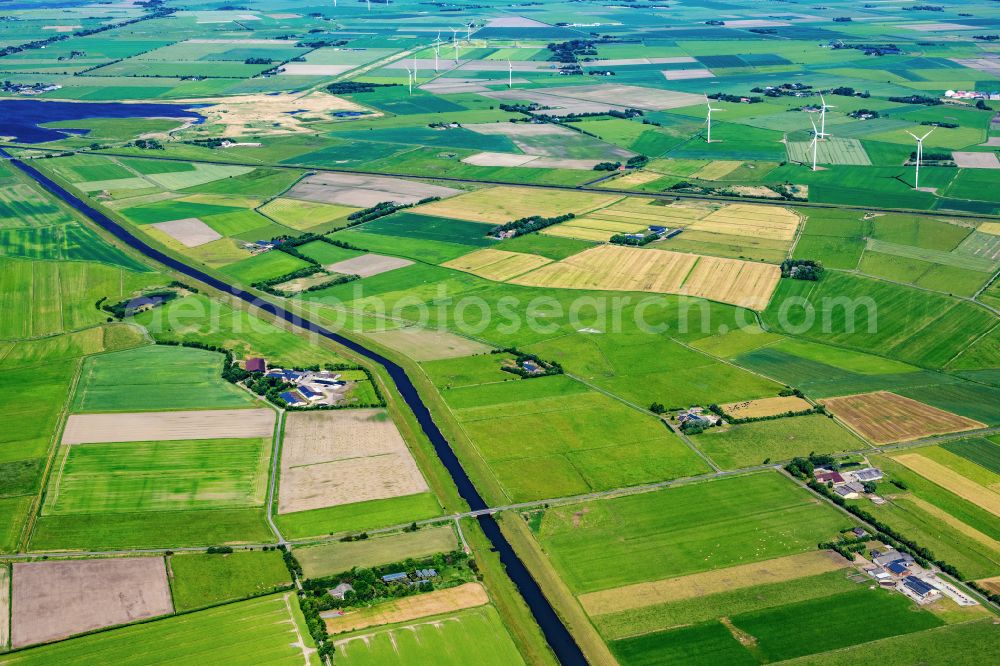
780,569
497,265
717,169
497,205
615,268
963,528
991,584
952,481
635,178
580,233
734,281
772,222
884,418
437,602
992,228
163,426
618,268
425,344
339,457
750,409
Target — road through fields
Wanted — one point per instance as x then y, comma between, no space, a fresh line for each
559,639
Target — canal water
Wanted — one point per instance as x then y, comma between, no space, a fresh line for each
556,633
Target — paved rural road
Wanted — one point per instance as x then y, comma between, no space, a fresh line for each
559,639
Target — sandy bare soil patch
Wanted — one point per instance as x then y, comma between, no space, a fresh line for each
270,114
952,481
883,417
190,232
563,163
556,105
744,283
341,457
497,265
937,27
986,64
57,599
992,228
437,602
306,69
368,264
777,570
364,191
422,344
687,74
635,178
975,160
749,409
993,142
754,220
163,426
499,159
444,86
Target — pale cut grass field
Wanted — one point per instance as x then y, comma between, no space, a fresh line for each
497,205
498,265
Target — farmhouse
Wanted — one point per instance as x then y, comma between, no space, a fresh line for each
884,559
698,415
921,589
866,475
255,365
395,577
293,399
827,476
340,591
849,490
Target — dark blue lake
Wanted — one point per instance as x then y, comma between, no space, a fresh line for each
22,118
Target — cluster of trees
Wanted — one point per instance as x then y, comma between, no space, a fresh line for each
635,239
801,269
864,113
572,50
736,99
987,38
916,99
127,307
258,61
607,166
939,123
526,225
148,144
547,367
847,91
931,157
219,550
381,210
354,87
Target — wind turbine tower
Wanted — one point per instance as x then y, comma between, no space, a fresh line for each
510,74
822,116
454,43
708,122
815,142
414,66
920,156
437,52
468,32
409,79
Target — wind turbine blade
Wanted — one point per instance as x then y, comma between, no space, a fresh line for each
914,135
928,134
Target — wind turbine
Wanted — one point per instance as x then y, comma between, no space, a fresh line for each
369,3
454,42
468,32
437,52
822,116
708,121
409,79
920,155
815,142
414,64
510,74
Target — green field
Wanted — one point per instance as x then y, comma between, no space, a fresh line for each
159,476
333,558
198,580
476,635
713,524
751,444
263,630
156,378
359,516
264,267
